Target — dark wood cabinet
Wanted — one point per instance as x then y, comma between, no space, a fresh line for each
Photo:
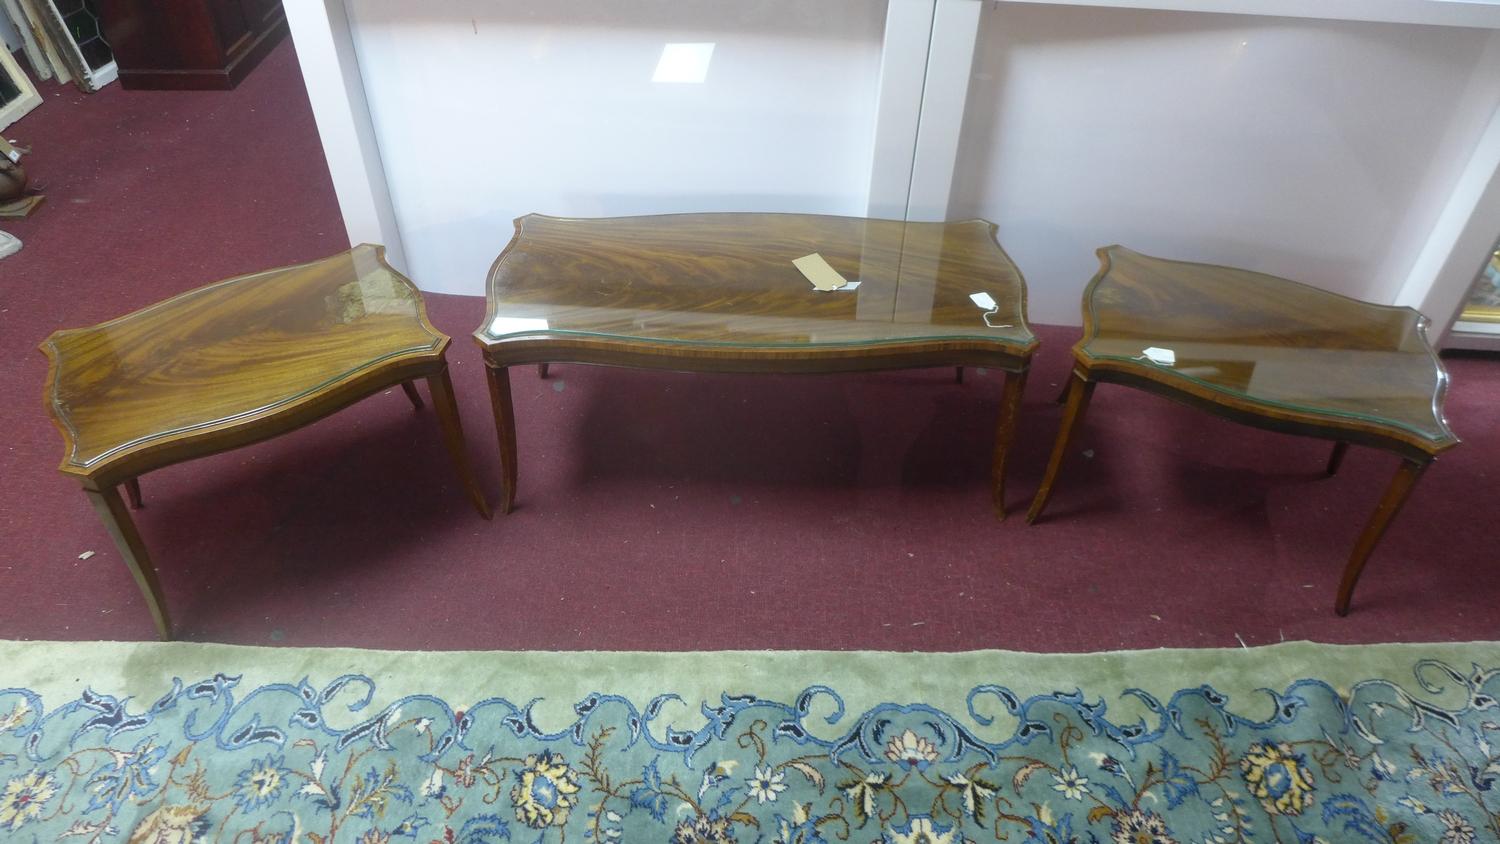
190,44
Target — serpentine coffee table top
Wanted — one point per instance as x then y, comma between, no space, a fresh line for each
230,355
1267,344
728,280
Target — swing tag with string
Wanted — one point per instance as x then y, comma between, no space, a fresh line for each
990,306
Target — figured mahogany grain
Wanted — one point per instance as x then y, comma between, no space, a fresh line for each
1268,345
231,353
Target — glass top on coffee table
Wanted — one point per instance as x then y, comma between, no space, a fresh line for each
733,280
751,292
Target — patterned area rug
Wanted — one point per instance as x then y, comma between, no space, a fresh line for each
1292,743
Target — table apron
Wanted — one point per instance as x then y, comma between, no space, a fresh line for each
796,360
190,445
1285,421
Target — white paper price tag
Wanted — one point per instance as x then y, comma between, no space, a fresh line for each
1160,356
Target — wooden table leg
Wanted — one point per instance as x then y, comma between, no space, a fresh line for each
411,392
1005,434
1395,495
133,491
505,427
1079,392
1336,459
441,388
116,518
541,370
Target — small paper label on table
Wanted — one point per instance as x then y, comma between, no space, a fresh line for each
1160,356
818,271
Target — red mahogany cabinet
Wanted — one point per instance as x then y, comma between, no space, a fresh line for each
190,44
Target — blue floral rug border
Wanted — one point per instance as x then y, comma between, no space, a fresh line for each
210,761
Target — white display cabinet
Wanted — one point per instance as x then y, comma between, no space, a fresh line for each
1351,144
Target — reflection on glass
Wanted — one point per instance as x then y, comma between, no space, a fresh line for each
683,63
1268,339
738,279
281,334
502,325
9,90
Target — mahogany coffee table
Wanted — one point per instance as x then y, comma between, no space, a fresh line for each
234,363
1267,352
720,293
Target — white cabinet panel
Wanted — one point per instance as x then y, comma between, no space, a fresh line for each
488,110
1318,150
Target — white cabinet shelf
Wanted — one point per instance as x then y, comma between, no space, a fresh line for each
1484,14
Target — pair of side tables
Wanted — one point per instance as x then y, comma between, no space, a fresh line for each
256,356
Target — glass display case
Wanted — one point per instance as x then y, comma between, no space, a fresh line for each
1484,301
1478,325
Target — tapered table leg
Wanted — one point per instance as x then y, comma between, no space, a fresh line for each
505,427
1062,395
441,388
1079,392
1336,459
112,511
133,491
541,370
411,392
1395,495
1005,434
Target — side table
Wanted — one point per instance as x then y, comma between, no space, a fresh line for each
1267,352
235,363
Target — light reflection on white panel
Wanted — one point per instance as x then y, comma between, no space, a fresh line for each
683,63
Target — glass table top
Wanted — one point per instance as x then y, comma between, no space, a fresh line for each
1267,339
230,351
734,280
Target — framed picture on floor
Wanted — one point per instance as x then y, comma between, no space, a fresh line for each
17,94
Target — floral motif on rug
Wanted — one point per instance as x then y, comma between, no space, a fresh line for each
215,761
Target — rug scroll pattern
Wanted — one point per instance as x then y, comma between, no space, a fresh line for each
214,760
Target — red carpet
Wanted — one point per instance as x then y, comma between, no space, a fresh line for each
662,511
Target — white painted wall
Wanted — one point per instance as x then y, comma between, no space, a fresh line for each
489,109
1318,150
